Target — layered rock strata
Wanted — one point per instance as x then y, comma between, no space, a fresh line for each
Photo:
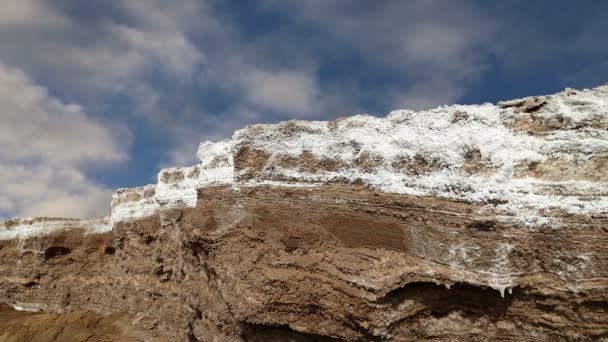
458,223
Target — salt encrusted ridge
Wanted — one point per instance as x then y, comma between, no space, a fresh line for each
176,187
575,128
134,203
508,138
569,127
505,141
18,229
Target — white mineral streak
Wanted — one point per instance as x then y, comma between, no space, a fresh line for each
464,257
27,228
500,272
30,307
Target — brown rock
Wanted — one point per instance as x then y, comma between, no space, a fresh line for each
251,252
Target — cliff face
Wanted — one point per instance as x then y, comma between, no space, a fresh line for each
458,223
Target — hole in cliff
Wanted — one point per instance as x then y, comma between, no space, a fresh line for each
261,333
291,246
191,336
597,305
148,239
439,300
163,274
154,295
484,226
199,249
30,283
55,251
109,250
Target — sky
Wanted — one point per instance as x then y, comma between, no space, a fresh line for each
98,95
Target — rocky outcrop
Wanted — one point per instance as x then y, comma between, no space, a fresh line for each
459,223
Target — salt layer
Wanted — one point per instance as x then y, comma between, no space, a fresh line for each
477,153
27,228
483,154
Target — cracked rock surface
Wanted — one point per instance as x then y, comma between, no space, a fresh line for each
468,223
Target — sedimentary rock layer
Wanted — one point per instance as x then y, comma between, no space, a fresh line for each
458,223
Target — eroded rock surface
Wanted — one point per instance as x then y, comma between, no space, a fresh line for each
74,326
459,223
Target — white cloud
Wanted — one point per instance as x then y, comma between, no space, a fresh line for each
168,49
217,127
44,146
428,93
114,55
419,40
291,92
28,12
92,58
48,189
36,125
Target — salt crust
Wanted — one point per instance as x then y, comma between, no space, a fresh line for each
443,137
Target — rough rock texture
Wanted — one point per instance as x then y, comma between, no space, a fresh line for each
76,326
459,223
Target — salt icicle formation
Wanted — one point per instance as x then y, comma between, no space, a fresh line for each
361,228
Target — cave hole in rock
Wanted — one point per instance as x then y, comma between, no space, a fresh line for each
55,251
441,300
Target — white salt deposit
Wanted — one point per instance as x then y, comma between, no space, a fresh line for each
133,204
29,307
446,140
217,164
177,187
178,191
27,228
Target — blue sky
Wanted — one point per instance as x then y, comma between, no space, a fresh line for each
99,95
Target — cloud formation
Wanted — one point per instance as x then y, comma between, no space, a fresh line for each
44,146
435,50
28,13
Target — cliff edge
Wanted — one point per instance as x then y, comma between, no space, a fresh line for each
477,222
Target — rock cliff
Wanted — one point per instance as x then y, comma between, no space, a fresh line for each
480,222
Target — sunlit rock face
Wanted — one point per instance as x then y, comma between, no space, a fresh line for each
464,223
